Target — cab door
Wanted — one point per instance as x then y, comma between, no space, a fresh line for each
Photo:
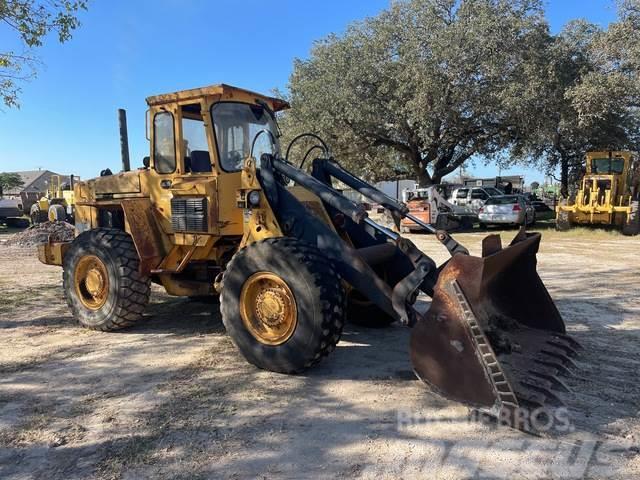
164,162
194,193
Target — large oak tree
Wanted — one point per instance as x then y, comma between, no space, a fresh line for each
560,137
424,86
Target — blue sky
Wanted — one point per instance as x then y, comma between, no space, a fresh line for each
128,50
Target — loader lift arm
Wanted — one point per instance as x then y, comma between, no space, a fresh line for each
492,338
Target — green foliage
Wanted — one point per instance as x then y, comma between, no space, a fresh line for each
560,136
31,21
614,85
592,94
422,87
9,180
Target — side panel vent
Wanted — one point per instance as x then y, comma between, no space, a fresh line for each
189,214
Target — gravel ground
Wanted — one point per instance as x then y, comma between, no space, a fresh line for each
172,398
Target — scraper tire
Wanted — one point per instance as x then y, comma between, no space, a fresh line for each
562,222
632,227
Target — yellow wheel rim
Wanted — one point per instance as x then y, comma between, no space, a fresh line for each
91,281
268,308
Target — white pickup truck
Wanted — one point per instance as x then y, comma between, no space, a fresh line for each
472,198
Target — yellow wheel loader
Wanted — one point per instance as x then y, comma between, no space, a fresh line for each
609,194
57,203
216,210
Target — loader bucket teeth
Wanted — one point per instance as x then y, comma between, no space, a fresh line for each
493,339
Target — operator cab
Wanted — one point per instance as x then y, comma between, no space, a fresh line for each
183,141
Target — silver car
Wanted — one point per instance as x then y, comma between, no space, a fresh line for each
507,209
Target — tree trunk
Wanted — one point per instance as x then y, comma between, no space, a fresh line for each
420,170
564,176
424,179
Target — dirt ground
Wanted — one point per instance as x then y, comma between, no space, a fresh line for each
172,398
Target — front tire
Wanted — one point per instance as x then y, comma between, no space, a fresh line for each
562,222
102,285
632,226
57,213
283,304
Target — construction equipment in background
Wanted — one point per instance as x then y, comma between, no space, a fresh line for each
56,205
11,213
609,194
225,214
431,206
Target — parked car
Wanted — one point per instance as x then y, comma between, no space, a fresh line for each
472,198
507,209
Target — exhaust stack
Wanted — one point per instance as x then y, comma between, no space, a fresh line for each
124,139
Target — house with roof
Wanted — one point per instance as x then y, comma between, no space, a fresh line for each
35,181
36,184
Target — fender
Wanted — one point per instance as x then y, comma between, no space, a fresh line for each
147,235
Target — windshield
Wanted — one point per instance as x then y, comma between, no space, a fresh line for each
503,200
236,126
607,166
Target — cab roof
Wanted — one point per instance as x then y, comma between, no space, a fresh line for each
224,91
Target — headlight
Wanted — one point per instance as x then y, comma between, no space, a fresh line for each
253,199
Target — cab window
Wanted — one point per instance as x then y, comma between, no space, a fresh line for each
164,143
194,141
608,166
239,128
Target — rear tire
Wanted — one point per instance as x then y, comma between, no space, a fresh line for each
37,215
299,283
102,285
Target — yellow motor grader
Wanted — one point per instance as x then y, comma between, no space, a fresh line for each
609,194
217,210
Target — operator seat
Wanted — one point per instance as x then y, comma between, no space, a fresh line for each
200,161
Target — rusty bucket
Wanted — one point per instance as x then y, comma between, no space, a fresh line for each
493,339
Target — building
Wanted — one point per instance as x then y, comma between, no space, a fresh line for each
35,181
36,184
